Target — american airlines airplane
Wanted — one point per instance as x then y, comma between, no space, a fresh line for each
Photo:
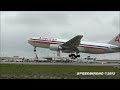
75,45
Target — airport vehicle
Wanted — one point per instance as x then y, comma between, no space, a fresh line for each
75,45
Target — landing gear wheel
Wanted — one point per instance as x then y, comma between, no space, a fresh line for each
73,56
69,55
78,55
34,50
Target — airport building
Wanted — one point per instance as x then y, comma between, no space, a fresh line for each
11,59
58,59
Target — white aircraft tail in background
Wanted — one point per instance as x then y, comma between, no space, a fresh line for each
75,45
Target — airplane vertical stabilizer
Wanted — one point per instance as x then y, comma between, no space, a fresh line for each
115,40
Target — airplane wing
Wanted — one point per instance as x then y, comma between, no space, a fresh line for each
72,43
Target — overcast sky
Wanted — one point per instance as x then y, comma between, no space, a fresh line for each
18,26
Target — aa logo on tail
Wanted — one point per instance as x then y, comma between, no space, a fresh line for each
117,39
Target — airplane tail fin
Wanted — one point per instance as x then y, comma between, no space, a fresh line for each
115,40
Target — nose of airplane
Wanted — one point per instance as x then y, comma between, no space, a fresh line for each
29,40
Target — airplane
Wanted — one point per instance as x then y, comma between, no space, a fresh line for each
75,45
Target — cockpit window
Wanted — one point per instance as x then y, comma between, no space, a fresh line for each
35,38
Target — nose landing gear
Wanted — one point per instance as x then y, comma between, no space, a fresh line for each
34,49
36,57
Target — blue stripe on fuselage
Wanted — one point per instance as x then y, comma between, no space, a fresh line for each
93,45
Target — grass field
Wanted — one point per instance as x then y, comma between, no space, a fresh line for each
19,71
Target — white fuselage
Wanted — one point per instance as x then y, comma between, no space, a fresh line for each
85,47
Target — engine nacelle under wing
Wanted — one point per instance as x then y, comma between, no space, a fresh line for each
55,47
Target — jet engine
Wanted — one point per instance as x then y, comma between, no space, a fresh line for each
55,47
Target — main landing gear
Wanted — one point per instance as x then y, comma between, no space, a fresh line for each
73,56
36,57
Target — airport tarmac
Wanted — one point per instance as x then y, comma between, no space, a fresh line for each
71,63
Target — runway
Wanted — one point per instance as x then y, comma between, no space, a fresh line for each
72,63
